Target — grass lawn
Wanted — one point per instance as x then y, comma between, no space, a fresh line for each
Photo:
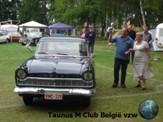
106,100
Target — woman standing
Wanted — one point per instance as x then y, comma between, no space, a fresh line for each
83,34
141,62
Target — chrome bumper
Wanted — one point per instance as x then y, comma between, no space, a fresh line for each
41,91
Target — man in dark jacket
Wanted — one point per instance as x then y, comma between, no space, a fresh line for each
91,35
132,35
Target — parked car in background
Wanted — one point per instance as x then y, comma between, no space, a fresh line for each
3,36
13,36
61,67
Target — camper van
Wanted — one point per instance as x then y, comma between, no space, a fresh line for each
9,27
158,41
34,34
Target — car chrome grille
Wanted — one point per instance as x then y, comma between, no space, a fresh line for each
51,82
52,75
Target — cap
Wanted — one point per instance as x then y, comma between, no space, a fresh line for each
91,26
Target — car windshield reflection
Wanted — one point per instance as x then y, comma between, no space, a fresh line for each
63,48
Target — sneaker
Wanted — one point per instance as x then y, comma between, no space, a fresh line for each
123,86
143,88
114,86
138,86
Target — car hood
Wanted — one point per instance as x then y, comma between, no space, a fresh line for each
57,66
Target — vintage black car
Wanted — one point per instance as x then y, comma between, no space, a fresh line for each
62,66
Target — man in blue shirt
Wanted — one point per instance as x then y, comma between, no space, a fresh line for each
123,44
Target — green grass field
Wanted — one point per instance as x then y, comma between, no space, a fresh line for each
106,100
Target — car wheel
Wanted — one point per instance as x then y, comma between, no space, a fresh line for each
86,101
27,99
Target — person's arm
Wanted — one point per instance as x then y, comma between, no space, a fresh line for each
92,34
131,48
87,35
110,38
150,39
148,54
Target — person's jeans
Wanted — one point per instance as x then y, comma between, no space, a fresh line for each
120,64
91,47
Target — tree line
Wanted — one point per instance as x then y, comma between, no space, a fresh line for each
100,13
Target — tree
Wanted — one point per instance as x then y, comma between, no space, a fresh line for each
142,12
7,9
84,12
153,11
34,10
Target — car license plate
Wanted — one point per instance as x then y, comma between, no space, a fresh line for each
53,96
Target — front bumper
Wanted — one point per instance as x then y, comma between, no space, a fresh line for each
41,91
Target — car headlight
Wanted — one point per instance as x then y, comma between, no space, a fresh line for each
88,76
21,74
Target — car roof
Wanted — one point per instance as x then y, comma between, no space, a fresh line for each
51,38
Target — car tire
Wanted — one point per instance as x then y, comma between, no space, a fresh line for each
27,99
86,101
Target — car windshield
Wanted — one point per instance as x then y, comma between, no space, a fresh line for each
62,47
3,33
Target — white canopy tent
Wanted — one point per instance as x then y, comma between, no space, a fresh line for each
32,24
32,29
